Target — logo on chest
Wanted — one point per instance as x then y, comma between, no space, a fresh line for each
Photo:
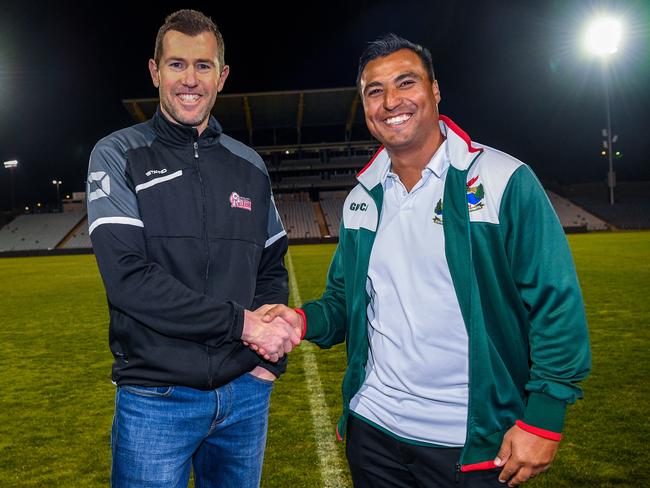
237,201
475,199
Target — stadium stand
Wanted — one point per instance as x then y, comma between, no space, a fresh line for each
573,217
313,142
6,217
38,231
332,205
78,238
298,215
632,205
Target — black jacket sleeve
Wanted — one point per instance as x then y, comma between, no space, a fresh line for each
272,280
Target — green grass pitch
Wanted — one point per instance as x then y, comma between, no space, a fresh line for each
56,399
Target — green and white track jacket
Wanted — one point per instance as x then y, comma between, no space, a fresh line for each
515,281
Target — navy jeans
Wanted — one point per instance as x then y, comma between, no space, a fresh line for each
159,432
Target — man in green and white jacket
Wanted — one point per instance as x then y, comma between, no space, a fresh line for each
454,289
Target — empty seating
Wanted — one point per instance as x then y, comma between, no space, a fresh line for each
332,205
297,215
572,216
37,231
80,239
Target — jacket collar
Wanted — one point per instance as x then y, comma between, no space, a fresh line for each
460,150
182,135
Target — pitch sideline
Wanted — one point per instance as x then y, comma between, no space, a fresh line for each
330,464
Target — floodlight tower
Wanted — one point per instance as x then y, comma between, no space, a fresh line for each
58,183
11,166
603,36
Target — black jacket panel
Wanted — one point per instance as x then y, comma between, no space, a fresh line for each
186,236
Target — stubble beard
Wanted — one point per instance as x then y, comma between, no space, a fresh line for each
182,119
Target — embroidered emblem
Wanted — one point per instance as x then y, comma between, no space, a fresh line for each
475,200
240,202
437,213
475,195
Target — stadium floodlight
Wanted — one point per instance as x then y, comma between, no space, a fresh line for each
11,166
602,38
603,35
58,183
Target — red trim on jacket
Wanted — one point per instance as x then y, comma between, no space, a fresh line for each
371,161
478,466
338,436
449,123
301,312
546,434
460,132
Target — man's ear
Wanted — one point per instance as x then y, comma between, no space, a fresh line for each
222,77
436,91
155,74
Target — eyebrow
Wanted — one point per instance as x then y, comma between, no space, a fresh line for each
408,74
371,85
178,58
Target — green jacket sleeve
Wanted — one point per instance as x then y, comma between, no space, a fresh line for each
326,317
544,273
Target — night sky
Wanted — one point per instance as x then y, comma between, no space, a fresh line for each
513,74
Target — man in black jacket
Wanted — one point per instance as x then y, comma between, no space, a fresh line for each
188,243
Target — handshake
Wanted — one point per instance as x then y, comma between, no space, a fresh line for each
272,331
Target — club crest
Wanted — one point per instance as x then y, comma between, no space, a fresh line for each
475,199
237,201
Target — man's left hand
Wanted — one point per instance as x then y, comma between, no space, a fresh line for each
523,456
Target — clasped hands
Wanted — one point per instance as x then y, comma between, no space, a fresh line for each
272,331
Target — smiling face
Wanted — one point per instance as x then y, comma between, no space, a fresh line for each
188,77
400,101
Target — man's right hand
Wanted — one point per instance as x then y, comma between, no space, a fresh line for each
286,313
272,338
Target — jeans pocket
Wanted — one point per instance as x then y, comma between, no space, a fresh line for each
149,391
260,380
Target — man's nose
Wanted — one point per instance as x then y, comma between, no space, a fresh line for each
190,76
392,98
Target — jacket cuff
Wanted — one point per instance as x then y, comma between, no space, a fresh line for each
278,369
301,312
544,412
238,323
317,325
546,434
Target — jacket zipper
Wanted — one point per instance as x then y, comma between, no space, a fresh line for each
205,218
195,145
469,347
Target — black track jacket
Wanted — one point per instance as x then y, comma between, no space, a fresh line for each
186,236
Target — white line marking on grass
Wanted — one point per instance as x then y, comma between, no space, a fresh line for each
330,464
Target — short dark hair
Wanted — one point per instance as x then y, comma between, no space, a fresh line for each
191,23
390,43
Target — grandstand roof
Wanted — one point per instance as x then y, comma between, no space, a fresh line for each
256,114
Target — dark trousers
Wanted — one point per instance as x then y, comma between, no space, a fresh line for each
378,460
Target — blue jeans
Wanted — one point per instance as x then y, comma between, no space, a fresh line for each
159,432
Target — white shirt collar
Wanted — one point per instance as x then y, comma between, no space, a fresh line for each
437,165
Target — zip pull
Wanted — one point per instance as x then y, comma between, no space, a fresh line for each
196,149
457,477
